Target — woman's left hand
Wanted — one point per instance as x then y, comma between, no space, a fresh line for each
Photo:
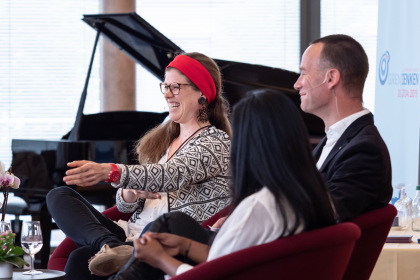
131,195
218,224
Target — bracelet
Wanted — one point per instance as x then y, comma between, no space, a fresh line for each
188,250
127,175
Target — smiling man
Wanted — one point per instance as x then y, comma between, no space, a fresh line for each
353,157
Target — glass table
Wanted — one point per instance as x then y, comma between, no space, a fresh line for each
47,274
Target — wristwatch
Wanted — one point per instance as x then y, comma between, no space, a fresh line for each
114,174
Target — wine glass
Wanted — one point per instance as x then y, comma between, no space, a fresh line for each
31,241
5,227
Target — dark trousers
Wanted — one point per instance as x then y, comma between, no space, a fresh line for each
176,223
85,225
90,230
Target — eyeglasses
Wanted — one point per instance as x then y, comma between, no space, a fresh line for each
173,88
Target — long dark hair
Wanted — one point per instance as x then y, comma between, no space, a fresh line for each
270,147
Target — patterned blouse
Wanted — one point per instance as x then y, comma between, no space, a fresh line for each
196,178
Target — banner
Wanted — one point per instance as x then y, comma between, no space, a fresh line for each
397,100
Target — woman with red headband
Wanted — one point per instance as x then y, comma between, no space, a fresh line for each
183,167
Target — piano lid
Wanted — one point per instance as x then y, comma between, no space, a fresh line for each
137,38
146,45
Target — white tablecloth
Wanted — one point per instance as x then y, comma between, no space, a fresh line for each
399,261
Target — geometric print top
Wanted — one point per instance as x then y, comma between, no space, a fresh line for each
196,178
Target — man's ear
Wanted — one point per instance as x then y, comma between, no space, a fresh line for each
333,78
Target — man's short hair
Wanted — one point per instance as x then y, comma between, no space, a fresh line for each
346,55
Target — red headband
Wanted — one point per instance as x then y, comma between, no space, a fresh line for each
197,73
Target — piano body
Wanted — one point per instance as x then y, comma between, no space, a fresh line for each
41,164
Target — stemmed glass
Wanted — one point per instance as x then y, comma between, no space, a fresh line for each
5,227
31,241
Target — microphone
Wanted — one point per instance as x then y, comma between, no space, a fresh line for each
325,80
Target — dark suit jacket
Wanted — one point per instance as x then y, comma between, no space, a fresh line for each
358,169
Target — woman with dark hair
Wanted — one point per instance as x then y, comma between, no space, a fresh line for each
183,166
277,192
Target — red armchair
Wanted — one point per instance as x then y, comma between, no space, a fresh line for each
318,254
296,257
375,226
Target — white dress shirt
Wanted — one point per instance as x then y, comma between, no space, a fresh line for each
334,133
256,220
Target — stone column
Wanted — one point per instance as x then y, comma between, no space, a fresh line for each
118,86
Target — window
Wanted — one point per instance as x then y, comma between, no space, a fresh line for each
262,32
45,51
359,19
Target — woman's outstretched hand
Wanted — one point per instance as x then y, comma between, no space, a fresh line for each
86,173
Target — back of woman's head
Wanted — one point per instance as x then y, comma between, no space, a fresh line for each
270,147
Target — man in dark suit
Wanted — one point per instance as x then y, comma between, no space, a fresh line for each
352,157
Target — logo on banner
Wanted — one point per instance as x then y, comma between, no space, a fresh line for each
406,80
384,67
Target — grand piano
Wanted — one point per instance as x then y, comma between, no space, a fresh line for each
41,164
